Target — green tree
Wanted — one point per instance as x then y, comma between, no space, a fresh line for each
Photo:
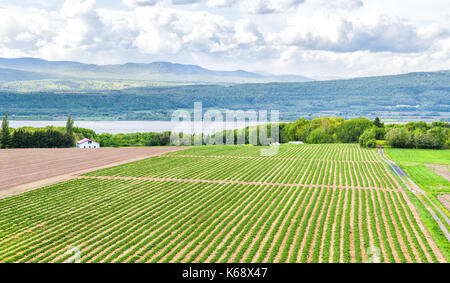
6,135
351,130
319,136
425,140
399,137
366,137
377,123
372,143
69,125
441,135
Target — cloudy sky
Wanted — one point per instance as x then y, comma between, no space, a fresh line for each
346,38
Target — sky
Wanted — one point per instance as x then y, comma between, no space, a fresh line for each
315,38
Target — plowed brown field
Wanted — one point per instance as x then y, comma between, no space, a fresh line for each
23,166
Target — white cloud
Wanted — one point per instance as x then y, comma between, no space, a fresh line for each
342,4
170,31
343,37
220,3
140,3
325,31
268,6
247,6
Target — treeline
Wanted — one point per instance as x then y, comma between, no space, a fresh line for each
419,135
411,135
50,137
365,132
325,130
321,130
136,139
66,137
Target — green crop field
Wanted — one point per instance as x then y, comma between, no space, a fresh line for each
425,156
417,164
310,203
424,176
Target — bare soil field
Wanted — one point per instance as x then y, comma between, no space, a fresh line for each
443,170
445,200
24,169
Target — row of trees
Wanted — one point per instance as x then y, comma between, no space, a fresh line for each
325,130
411,135
435,138
136,139
320,130
37,138
367,133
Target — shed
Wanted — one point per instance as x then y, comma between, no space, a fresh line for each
296,142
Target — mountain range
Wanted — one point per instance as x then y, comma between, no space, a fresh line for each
22,69
38,89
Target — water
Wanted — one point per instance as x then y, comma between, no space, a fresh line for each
126,127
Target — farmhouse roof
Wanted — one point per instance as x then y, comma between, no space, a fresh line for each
83,141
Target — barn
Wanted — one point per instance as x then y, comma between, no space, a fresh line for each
87,143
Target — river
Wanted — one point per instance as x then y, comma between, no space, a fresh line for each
126,127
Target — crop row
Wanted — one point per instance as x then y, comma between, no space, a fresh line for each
344,152
274,171
160,221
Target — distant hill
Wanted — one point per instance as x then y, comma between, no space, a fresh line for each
156,71
9,75
420,96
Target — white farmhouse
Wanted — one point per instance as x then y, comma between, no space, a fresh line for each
87,143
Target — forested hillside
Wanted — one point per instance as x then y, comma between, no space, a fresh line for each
409,97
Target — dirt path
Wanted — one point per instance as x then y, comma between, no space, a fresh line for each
360,228
370,230
396,209
318,206
342,231
389,214
333,229
352,228
231,182
274,158
422,227
327,219
322,217
379,219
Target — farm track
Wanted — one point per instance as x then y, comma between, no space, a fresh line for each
274,158
313,204
231,182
